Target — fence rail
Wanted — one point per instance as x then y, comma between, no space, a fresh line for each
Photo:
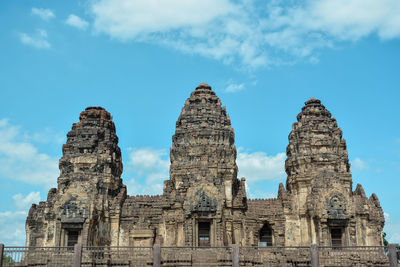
235,256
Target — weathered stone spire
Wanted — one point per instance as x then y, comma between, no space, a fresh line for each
90,191
316,149
92,152
203,145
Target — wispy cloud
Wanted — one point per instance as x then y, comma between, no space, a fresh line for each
258,166
25,202
253,192
46,136
13,234
43,13
248,32
392,229
359,164
149,168
126,19
21,160
233,88
77,22
38,40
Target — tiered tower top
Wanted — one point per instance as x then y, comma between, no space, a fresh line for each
203,144
316,147
91,151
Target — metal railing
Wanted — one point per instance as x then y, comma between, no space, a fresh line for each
37,256
235,256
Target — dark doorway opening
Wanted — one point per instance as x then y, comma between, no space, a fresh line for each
72,238
336,237
204,234
265,236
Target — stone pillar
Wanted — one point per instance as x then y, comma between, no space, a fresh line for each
1,254
77,255
235,255
314,255
393,255
313,233
156,255
114,231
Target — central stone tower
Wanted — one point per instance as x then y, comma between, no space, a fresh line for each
203,150
203,172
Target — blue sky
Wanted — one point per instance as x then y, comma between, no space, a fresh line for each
141,59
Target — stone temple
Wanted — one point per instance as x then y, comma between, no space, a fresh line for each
204,203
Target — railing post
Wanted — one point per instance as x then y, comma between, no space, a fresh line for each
235,255
156,255
77,255
1,254
392,255
314,255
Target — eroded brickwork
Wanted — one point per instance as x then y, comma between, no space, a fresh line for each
204,203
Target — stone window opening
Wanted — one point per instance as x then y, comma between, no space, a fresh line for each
204,234
265,236
337,237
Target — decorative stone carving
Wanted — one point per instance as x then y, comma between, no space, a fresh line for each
336,207
206,204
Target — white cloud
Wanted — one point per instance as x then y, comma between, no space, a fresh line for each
20,160
12,234
77,22
150,168
359,164
126,19
38,40
357,18
46,136
3,122
259,166
146,160
43,13
136,187
252,33
392,229
210,28
254,192
26,202
233,88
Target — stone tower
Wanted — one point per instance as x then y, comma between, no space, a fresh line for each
203,184
203,149
90,192
321,207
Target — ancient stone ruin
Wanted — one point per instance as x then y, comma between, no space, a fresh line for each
204,203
